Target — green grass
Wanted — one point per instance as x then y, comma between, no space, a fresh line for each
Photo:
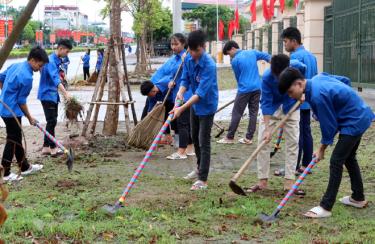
226,79
55,205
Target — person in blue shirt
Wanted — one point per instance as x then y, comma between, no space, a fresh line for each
16,83
340,110
64,71
199,74
65,64
245,68
48,93
86,65
99,61
293,44
274,107
182,124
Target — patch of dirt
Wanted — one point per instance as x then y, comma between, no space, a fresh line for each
68,184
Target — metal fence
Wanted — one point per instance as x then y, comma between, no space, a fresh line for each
349,40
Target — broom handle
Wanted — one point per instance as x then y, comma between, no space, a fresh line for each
296,184
175,76
224,106
145,160
264,143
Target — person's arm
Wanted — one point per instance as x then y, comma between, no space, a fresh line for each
24,91
262,56
266,102
235,68
185,83
3,76
54,74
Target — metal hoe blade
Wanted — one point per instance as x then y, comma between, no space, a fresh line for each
111,209
236,188
220,133
70,159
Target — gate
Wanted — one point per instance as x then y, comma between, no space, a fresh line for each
349,40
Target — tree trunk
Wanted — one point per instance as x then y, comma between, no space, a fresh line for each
17,30
112,113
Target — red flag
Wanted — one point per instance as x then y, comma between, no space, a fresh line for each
237,20
221,30
296,2
268,11
253,11
282,6
231,26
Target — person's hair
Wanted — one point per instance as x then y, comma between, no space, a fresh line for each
279,62
196,39
88,51
180,38
146,87
65,43
287,78
292,33
101,51
229,45
38,54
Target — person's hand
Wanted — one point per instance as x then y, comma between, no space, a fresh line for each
179,96
267,135
68,97
171,84
319,154
32,121
303,98
176,113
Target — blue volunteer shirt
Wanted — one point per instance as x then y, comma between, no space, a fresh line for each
49,80
99,62
245,67
65,64
86,61
17,83
338,108
271,98
308,59
201,77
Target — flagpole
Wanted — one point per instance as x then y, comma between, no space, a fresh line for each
238,16
217,32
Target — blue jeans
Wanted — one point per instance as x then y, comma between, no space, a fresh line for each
305,139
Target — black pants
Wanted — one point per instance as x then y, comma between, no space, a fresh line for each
145,109
201,134
344,154
168,107
183,128
305,139
86,72
13,146
251,100
50,112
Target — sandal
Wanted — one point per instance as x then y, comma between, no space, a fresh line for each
199,185
298,192
350,202
300,171
280,172
317,212
245,141
225,141
254,189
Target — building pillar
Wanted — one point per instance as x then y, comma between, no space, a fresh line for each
177,16
314,28
257,39
239,39
301,23
265,40
249,40
275,37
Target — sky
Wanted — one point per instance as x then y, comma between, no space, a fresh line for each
90,7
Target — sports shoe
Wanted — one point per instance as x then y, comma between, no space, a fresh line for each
190,153
225,141
199,185
33,169
192,175
176,156
12,177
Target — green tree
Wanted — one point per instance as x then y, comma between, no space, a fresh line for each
206,15
28,33
165,29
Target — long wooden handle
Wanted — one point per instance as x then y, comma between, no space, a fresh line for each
264,143
224,106
175,76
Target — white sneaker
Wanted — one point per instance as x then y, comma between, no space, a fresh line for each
33,169
12,177
225,141
192,175
176,156
190,153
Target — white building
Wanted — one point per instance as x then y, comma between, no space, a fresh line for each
64,17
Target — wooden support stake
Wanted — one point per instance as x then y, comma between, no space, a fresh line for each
97,87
